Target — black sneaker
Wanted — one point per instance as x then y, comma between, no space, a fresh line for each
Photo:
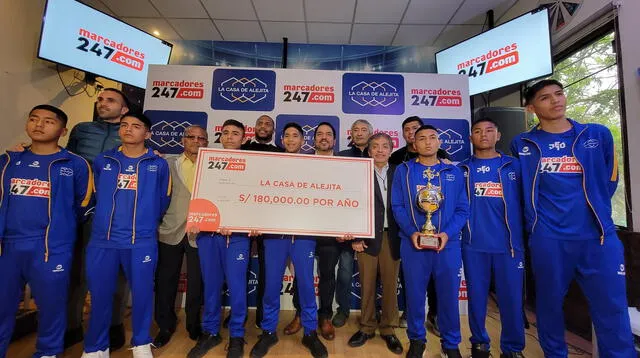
340,319
480,350
204,344
512,355
315,345
162,338
451,353
235,349
116,337
265,341
416,348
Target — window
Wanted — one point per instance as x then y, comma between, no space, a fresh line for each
590,76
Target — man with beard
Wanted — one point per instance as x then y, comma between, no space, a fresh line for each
88,139
263,141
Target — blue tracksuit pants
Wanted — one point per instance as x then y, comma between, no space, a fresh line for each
103,265
302,253
599,270
508,274
445,267
220,263
22,263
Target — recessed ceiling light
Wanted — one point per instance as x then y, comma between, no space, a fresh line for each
156,32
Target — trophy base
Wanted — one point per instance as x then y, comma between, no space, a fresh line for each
428,242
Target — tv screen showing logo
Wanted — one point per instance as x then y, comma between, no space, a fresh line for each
513,52
79,36
372,93
243,90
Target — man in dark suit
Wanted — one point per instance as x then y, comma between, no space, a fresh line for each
379,254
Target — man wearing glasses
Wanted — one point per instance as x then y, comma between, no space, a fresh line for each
174,243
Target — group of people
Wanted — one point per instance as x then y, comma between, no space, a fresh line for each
129,205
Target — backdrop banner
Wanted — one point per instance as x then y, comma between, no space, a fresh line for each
178,96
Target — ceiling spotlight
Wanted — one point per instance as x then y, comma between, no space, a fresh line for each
156,32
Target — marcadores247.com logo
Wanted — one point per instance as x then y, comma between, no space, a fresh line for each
436,97
492,61
110,49
178,89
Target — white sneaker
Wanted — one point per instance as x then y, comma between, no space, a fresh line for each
143,351
98,354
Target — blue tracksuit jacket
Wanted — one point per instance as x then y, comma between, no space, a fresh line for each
455,207
509,173
70,196
593,149
151,199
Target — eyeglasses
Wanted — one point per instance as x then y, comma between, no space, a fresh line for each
195,137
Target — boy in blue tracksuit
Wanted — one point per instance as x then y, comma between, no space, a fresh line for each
442,265
492,241
569,174
44,193
301,250
133,190
224,256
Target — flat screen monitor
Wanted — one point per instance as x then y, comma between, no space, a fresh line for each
79,36
516,51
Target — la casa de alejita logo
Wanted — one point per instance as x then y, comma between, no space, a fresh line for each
248,90
226,162
491,61
110,49
168,134
167,129
308,93
436,97
452,141
372,93
177,89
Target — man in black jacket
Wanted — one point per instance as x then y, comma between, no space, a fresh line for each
88,139
379,254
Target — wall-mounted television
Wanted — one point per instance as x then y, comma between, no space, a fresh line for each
516,51
79,36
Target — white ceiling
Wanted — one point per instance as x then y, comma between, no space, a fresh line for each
360,22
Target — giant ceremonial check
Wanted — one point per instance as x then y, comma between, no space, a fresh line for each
179,96
282,193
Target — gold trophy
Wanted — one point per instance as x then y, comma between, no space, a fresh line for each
428,200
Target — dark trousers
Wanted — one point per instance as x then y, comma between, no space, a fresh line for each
328,255
78,284
167,278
